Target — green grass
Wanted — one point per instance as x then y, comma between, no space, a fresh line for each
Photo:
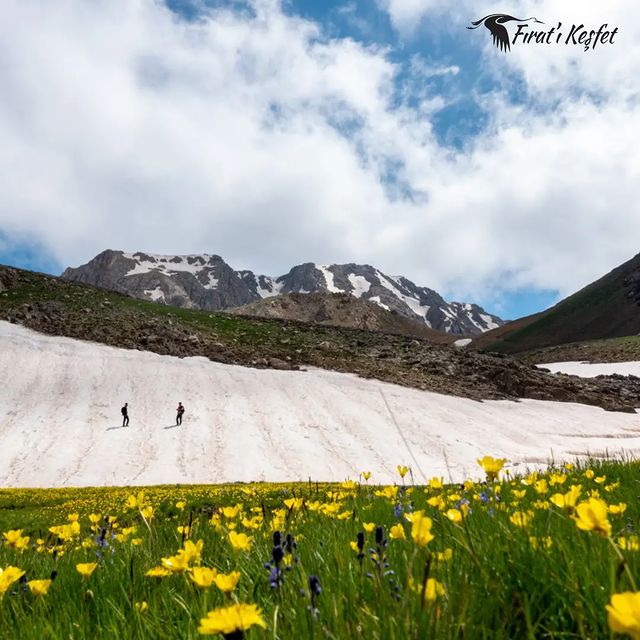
497,583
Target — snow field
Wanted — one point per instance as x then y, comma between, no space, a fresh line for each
60,422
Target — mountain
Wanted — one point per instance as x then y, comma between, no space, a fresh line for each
207,282
607,308
339,310
58,307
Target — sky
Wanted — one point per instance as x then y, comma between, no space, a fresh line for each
279,132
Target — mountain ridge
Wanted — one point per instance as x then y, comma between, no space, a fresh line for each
207,282
608,307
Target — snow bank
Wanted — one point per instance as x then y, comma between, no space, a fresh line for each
60,422
588,370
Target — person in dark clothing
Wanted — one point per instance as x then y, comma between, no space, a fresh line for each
125,415
180,411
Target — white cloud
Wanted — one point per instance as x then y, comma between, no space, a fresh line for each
259,138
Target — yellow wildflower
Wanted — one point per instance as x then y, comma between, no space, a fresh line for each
231,512
39,587
227,582
8,576
368,526
180,505
445,555
147,513
136,502
240,541
617,509
349,485
540,543
432,589
623,614
159,572
567,500
216,521
591,515
294,504
541,486
397,532
435,483
366,475
388,492
203,576
85,569
589,474
421,529
455,515
141,607
252,523
557,478
187,556
402,470
16,540
491,466
632,543
66,531
521,518
232,619
437,502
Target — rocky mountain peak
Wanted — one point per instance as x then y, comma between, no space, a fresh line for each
208,282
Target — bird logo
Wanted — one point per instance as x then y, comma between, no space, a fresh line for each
495,23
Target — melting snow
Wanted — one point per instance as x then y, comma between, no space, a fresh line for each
258,424
273,287
213,281
166,264
328,278
589,370
463,342
360,285
376,299
489,322
412,303
156,294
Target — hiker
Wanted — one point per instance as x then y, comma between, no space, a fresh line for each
125,415
180,411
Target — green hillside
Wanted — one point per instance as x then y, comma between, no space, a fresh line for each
607,308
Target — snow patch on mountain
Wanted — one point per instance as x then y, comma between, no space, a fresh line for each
377,300
360,285
156,294
328,278
412,303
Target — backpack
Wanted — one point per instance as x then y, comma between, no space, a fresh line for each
123,411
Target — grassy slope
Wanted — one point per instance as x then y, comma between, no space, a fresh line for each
497,584
603,309
625,349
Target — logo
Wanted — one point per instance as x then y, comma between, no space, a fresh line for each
527,32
